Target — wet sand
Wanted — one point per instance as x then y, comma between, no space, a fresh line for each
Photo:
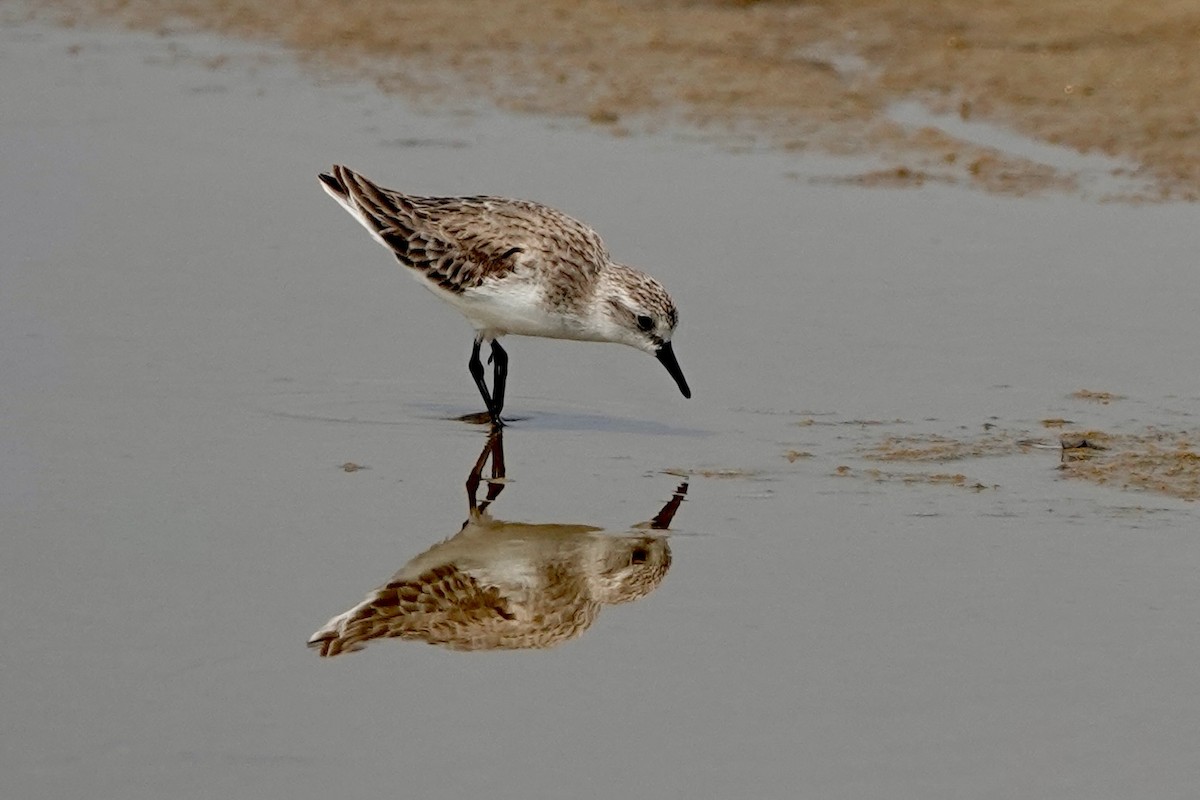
1113,77
195,342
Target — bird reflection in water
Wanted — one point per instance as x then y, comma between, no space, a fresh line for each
507,585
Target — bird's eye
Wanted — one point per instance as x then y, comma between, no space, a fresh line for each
639,555
645,324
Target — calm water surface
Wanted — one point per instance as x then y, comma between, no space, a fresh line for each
194,341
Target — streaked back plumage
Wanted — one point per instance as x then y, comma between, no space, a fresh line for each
457,243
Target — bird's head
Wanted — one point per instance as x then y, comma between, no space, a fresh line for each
625,568
637,311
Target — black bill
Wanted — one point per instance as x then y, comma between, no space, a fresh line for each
667,356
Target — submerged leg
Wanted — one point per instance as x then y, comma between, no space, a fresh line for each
476,368
499,375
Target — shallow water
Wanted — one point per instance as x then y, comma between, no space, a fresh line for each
195,340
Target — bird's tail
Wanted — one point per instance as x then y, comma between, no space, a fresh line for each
351,630
377,209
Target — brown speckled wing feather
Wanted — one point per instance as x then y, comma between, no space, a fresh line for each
432,606
459,242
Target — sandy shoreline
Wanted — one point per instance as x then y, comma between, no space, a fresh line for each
1120,80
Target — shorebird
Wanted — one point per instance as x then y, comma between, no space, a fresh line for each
514,267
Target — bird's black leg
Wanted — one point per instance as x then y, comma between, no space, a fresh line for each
499,375
494,449
476,368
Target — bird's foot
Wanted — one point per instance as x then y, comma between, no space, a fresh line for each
482,418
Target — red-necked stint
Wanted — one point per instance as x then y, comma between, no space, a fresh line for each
514,267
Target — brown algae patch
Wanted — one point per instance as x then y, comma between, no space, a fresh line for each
1155,461
1104,398
855,423
934,447
985,167
955,479
1080,445
894,178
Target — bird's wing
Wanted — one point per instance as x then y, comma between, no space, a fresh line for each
460,242
440,605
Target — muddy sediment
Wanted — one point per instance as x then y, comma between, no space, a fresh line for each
1114,78
1154,459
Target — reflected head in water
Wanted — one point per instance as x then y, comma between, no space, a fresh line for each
507,585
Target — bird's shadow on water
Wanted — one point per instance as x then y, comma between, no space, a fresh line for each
569,421
507,585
